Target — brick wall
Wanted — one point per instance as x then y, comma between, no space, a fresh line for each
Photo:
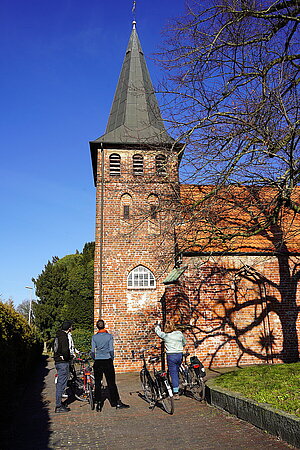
238,310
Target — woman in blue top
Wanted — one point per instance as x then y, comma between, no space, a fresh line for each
174,342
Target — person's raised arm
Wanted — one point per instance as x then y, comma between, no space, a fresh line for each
158,331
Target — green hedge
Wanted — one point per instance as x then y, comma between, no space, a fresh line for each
20,347
82,339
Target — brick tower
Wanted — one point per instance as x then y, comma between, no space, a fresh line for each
135,165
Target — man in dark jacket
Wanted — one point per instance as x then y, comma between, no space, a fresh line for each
62,358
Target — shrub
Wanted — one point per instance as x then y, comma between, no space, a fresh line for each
20,346
82,339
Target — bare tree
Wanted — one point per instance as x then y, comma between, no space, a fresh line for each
232,97
24,309
233,87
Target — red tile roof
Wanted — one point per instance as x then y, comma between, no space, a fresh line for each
236,219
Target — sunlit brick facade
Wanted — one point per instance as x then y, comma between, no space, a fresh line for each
238,308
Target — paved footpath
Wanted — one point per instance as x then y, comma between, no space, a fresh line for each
193,425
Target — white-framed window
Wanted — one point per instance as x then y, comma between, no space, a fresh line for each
141,278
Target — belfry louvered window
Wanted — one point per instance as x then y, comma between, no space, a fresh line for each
160,162
141,278
115,165
138,165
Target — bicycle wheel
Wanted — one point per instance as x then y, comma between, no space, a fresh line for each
196,385
166,400
77,387
91,396
147,386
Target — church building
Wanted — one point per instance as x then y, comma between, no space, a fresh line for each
237,306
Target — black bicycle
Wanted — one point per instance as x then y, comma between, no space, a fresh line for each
156,386
191,382
82,380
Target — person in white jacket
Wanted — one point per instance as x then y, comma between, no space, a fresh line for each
174,342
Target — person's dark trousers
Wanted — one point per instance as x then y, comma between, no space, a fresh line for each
63,370
174,360
106,367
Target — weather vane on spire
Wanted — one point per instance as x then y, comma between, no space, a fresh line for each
133,9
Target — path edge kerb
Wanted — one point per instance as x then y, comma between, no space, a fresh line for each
282,425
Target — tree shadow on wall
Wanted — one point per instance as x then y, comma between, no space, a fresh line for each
231,306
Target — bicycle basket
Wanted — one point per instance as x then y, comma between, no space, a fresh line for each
198,366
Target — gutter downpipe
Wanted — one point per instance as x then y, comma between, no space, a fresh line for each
101,232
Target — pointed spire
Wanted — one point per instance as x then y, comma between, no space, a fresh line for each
135,116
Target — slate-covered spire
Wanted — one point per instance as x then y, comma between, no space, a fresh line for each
135,116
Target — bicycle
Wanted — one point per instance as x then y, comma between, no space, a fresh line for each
82,382
156,387
191,376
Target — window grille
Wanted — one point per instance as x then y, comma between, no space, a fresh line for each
160,161
126,214
153,211
138,165
115,165
141,278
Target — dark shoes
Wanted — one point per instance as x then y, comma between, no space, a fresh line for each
99,406
62,409
121,405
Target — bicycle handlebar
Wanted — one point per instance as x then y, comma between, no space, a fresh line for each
142,353
83,357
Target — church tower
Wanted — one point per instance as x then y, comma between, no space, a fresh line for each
135,166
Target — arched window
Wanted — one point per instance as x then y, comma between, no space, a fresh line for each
126,204
126,214
138,165
153,218
115,165
154,205
141,278
160,163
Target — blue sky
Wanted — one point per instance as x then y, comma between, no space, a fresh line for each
60,65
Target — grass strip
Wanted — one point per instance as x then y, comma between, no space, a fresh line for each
278,385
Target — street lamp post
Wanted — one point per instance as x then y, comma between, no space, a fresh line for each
30,303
